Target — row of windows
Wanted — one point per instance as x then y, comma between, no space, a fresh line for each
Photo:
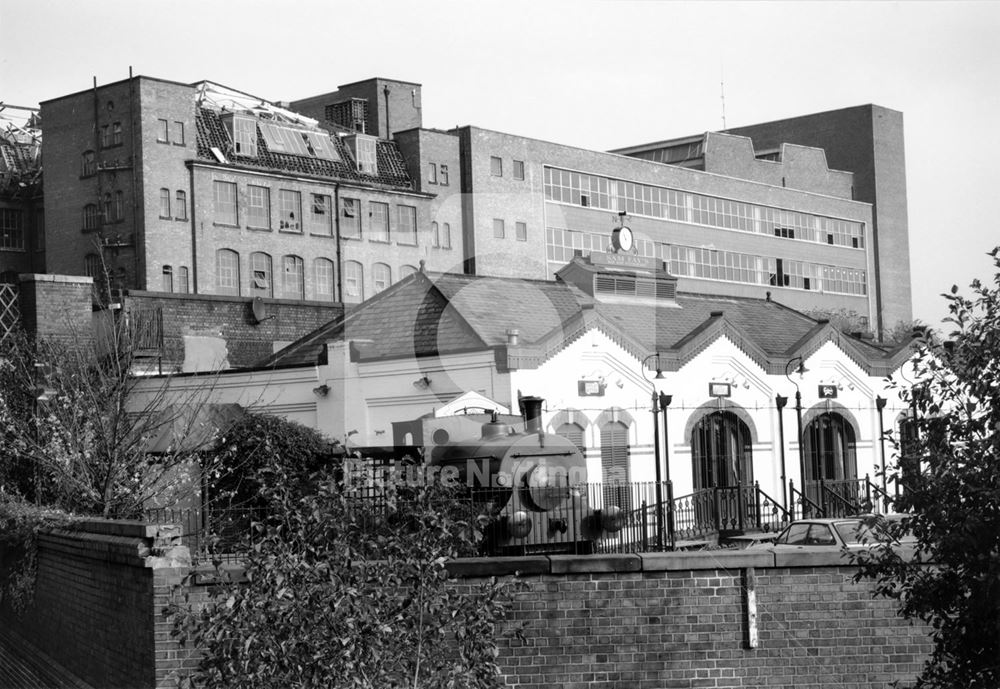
11,229
714,264
500,230
170,133
581,189
110,210
291,284
176,280
438,174
383,225
111,135
179,209
496,167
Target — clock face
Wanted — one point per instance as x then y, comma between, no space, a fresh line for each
625,239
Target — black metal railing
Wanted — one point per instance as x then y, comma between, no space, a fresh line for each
584,518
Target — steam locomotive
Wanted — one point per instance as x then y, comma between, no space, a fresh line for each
532,483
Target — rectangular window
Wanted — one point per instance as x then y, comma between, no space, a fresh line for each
164,203
258,207
116,134
443,177
498,229
521,231
119,209
226,212
350,218
518,169
12,229
320,215
162,131
178,133
496,166
432,174
289,211
106,136
406,230
181,207
380,221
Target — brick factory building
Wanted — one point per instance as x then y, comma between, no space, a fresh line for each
327,200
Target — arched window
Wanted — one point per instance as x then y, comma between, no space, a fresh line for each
721,451
227,272
381,277
323,279
445,236
93,266
181,209
182,280
106,210
91,217
435,234
573,432
119,206
354,290
88,164
830,449
293,278
406,271
261,284
164,203
615,472
168,279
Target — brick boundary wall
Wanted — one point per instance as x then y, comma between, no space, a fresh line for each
232,319
651,621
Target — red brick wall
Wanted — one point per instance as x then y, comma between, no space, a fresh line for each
232,318
57,307
619,621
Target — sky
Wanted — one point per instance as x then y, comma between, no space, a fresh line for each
599,74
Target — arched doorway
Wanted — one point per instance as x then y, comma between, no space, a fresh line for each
721,451
831,463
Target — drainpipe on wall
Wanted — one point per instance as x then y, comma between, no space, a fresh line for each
194,233
336,229
388,132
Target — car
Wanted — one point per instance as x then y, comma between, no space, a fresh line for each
824,534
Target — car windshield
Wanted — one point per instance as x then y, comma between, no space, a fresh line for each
855,532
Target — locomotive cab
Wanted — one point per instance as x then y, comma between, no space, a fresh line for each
531,483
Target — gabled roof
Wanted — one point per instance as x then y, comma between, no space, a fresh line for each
438,314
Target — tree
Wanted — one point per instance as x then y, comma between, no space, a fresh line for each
74,435
949,469
349,588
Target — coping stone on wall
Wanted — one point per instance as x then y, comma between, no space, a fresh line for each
574,564
498,566
706,559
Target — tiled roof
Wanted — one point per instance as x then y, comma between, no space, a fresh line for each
391,166
448,313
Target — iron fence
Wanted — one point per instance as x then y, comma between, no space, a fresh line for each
584,518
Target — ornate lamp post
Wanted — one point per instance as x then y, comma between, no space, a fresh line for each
656,446
665,401
780,403
798,364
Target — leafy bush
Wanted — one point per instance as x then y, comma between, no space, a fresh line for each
951,491
348,589
20,523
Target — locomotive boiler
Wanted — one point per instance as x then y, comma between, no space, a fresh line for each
532,484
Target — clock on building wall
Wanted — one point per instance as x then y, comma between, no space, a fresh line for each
621,239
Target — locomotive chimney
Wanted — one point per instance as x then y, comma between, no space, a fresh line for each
531,407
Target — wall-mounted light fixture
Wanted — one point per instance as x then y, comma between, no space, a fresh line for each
422,383
321,390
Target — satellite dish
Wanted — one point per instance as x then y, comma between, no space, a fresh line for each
259,310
